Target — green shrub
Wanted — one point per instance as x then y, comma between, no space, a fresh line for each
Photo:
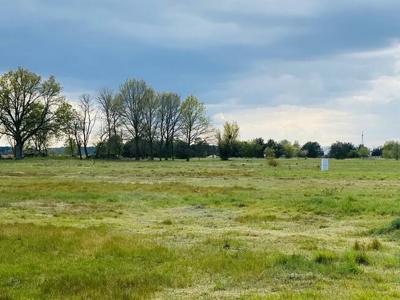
361,259
273,162
167,222
395,225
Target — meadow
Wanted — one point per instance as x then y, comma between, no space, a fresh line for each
204,229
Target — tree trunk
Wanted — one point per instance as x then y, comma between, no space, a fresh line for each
172,145
79,150
160,151
166,149
151,150
86,151
188,151
71,146
137,154
108,146
19,150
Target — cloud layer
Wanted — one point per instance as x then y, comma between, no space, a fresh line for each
329,69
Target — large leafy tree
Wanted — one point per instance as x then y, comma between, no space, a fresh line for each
42,139
341,150
194,122
391,149
27,105
312,149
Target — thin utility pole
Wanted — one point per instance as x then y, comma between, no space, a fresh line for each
362,138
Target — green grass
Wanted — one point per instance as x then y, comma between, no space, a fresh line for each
205,229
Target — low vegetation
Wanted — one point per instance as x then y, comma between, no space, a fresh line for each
204,229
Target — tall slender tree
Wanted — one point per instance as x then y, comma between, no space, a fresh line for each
27,105
194,122
171,106
133,93
110,108
77,132
162,115
66,117
151,121
87,120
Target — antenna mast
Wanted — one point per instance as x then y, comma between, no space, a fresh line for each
362,138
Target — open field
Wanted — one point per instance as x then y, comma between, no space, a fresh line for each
204,229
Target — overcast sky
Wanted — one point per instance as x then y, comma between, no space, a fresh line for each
297,69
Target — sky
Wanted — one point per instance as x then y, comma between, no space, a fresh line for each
290,69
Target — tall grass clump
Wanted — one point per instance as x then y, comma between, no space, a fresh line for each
273,162
324,257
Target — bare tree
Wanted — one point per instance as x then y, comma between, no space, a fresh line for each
194,121
172,122
87,120
26,105
110,108
133,93
105,99
77,130
168,115
162,115
151,121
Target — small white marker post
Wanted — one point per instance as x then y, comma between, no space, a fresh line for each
324,164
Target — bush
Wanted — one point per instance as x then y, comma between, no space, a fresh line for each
167,222
273,162
376,152
269,152
111,148
361,259
395,225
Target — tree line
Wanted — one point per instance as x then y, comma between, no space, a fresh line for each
33,114
229,145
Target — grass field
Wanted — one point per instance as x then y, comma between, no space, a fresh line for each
204,229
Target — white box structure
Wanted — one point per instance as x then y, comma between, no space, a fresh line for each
324,164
